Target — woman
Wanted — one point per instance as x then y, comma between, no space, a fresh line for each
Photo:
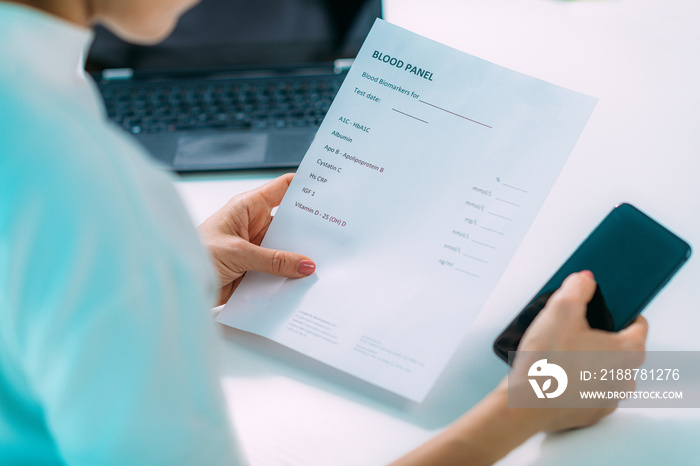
107,355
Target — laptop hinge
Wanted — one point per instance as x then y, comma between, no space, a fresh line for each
342,64
116,74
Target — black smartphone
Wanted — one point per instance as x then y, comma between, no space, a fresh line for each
632,257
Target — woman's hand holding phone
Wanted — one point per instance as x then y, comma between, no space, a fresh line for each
562,326
491,429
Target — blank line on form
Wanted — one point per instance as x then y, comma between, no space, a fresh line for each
455,114
410,116
516,188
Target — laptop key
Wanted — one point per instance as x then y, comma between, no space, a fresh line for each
229,104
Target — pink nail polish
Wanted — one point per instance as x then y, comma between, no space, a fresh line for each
588,273
306,267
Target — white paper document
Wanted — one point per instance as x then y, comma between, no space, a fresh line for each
420,184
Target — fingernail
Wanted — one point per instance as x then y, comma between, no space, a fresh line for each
306,267
588,273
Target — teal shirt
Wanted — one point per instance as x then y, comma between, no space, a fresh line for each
107,348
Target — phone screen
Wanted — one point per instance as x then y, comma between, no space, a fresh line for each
632,257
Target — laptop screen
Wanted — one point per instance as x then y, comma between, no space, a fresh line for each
246,35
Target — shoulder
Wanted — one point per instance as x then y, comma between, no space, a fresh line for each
103,292
75,184
50,146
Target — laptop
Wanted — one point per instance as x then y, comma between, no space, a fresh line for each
238,85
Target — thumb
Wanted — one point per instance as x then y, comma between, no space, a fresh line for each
576,292
275,262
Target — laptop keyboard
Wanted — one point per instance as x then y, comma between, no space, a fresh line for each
265,103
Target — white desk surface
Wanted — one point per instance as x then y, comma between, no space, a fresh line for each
641,58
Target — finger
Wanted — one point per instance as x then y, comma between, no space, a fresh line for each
257,239
575,293
640,327
275,262
633,338
273,191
